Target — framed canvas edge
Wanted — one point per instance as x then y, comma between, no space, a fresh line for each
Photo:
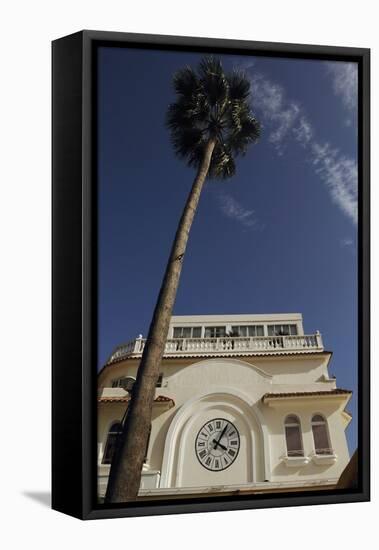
88,506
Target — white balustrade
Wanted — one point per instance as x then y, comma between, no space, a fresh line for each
227,344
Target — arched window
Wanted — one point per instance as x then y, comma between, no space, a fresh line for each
293,436
320,435
110,445
147,446
125,382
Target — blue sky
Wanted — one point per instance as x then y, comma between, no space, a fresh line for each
280,236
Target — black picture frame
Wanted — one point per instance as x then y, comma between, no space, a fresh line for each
74,295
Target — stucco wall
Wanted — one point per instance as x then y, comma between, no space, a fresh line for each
232,388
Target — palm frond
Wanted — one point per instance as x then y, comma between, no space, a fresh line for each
222,164
210,66
213,81
248,132
186,82
212,105
239,86
186,141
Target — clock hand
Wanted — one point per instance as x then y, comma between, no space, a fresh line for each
222,434
218,444
219,439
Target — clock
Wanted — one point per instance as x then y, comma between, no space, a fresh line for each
217,444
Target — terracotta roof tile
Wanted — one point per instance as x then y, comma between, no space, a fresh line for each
337,391
163,399
125,399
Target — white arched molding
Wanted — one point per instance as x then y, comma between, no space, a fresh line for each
223,361
231,399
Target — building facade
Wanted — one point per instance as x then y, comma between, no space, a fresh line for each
243,403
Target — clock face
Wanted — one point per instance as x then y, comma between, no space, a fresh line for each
217,444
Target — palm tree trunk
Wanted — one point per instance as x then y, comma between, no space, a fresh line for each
126,468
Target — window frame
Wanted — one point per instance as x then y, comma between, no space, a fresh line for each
324,422
215,328
289,325
191,328
297,425
236,328
159,383
116,382
114,435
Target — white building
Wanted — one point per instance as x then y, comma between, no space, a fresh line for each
243,403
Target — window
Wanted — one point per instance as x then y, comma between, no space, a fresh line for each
320,435
111,443
293,436
282,330
126,382
215,332
147,446
159,381
247,330
187,332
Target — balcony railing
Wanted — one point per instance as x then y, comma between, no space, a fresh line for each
227,345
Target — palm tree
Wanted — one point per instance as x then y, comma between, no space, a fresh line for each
210,124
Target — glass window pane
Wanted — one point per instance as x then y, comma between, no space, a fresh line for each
320,438
292,419
187,332
293,330
109,449
271,330
215,332
177,332
127,383
147,445
115,428
259,330
110,445
196,332
293,440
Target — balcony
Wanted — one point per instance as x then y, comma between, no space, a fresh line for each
226,346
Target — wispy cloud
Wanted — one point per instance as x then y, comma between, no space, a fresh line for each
303,132
279,114
340,174
345,82
286,121
233,209
347,243
248,63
